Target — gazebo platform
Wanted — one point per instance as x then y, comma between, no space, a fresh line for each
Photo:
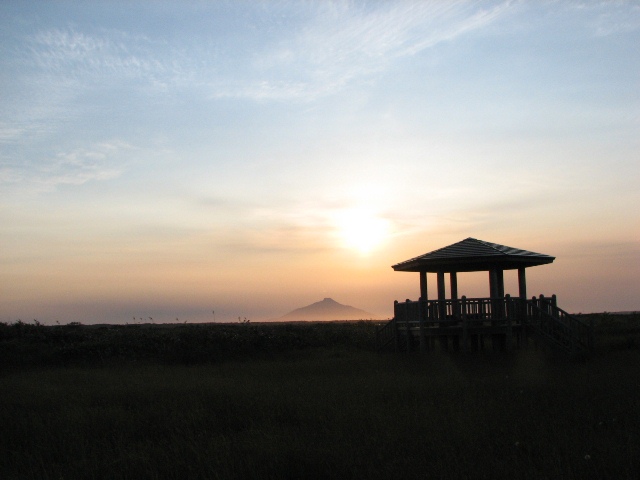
500,320
472,324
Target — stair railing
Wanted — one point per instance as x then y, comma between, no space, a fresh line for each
557,325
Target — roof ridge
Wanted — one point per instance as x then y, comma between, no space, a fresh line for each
472,253
491,245
434,251
442,248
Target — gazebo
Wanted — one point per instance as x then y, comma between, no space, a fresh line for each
472,255
468,321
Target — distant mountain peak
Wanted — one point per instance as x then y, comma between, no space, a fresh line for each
327,309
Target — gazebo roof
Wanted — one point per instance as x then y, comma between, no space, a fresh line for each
473,255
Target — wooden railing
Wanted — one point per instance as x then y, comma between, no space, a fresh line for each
558,326
542,315
447,312
387,335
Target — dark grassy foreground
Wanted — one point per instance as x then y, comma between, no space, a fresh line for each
310,401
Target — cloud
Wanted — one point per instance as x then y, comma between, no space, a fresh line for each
52,70
347,41
618,21
608,17
99,163
114,53
324,47
321,48
10,132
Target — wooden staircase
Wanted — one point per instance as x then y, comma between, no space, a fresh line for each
560,329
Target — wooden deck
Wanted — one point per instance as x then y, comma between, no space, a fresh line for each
477,323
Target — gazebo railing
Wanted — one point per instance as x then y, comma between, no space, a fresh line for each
452,311
541,314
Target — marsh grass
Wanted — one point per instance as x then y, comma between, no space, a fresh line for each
326,413
308,401
24,344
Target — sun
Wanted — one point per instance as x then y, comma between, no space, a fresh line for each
361,229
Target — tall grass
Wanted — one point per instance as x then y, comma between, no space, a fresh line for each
326,413
24,344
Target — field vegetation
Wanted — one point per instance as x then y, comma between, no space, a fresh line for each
310,401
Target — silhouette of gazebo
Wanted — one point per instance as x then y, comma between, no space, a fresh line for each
467,321
472,255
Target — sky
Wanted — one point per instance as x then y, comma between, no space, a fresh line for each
204,161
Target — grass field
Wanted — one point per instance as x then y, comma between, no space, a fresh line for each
310,401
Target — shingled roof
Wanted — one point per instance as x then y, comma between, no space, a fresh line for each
473,255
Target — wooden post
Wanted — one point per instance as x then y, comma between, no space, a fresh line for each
508,309
465,324
523,319
541,306
494,293
453,278
493,283
453,282
421,312
441,292
423,286
432,316
544,304
522,307
424,319
500,279
442,308
396,332
500,305
522,283
407,325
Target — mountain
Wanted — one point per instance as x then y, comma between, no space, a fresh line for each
327,309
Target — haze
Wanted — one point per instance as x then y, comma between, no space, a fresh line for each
175,159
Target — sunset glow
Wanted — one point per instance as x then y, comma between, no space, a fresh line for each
361,230
170,159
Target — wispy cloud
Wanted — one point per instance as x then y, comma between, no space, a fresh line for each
99,163
52,68
608,17
318,53
321,49
622,20
349,41
110,53
9,132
